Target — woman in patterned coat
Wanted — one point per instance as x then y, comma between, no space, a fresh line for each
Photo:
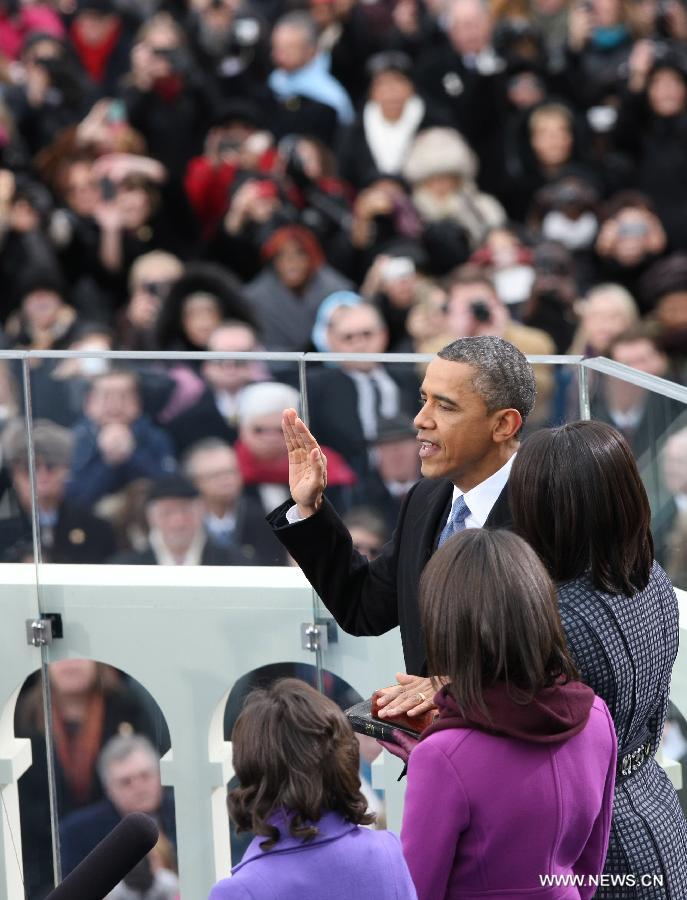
577,497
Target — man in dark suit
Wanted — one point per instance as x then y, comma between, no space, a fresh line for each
232,517
129,768
69,532
475,397
348,401
177,536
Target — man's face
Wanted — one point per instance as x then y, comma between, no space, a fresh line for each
113,399
604,317
454,429
50,482
133,783
470,28
263,436
291,49
230,374
398,460
216,475
178,519
357,330
641,354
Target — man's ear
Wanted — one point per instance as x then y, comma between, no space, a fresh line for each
507,424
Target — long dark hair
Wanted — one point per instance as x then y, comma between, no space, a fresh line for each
294,749
489,614
577,498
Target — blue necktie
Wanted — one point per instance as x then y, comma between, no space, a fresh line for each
456,520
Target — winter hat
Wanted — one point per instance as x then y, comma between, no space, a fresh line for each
440,151
324,314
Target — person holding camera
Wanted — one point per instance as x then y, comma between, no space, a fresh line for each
168,99
651,129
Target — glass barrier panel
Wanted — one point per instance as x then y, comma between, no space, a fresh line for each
655,427
165,467
22,632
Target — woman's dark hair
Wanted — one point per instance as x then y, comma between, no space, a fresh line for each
293,749
489,614
200,278
577,498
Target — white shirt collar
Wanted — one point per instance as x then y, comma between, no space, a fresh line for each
483,496
165,558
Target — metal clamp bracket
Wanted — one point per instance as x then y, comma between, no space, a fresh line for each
318,635
42,631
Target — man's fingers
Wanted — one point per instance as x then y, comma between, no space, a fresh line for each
306,439
389,694
421,708
414,707
287,429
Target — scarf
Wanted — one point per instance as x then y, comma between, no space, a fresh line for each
276,471
95,57
389,141
78,752
555,714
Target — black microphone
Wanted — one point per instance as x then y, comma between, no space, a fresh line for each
108,863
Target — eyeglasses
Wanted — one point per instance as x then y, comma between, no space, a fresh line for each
266,429
41,464
348,336
218,473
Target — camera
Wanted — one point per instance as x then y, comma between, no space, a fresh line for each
108,189
480,310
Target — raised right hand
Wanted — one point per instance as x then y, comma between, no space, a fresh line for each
307,464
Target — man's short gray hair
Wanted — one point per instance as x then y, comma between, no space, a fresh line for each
303,22
503,378
119,748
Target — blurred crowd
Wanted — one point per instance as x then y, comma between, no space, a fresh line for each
332,175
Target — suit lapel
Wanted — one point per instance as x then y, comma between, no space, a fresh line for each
500,515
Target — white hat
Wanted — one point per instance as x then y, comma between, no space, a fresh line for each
264,398
439,151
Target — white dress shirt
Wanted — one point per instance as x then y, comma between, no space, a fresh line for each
483,496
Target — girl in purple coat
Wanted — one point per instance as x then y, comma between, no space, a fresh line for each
296,758
510,790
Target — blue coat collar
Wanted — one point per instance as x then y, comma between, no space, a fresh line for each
331,826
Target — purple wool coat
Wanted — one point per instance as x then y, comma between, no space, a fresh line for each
486,815
343,862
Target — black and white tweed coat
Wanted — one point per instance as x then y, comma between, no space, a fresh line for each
625,648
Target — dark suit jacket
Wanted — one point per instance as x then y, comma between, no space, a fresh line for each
82,830
212,555
368,598
78,535
333,405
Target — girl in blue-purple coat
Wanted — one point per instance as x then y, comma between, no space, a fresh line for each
296,759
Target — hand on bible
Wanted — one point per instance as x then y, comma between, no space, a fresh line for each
412,695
